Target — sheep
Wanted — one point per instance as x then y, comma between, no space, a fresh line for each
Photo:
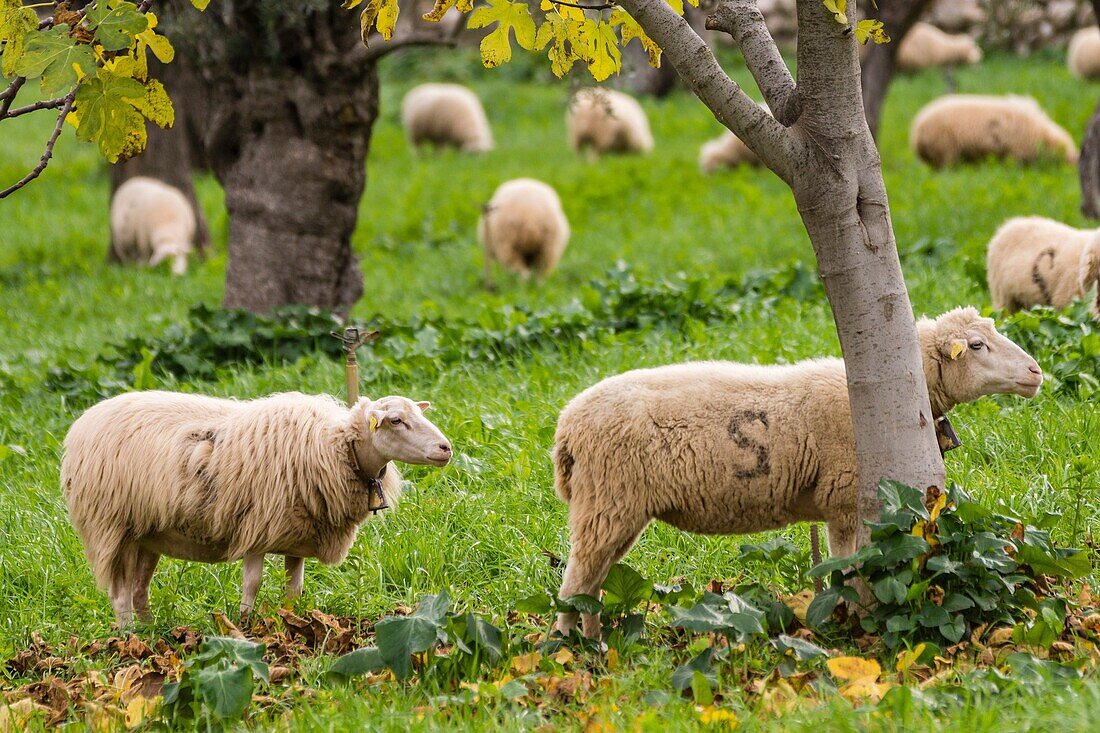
1036,261
961,127
154,473
1083,55
523,228
727,448
151,221
607,121
926,46
446,115
727,151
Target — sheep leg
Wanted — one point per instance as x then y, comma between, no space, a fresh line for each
146,564
121,586
252,572
295,576
597,546
488,281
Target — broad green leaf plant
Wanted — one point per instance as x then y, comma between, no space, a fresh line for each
92,65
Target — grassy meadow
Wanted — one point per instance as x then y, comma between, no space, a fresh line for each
484,528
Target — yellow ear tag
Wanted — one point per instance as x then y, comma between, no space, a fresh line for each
957,349
373,423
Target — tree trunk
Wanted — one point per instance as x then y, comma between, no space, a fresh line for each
877,68
643,79
820,144
171,155
1088,165
295,99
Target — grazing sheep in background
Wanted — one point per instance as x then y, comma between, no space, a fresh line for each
1083,55
966,127
607,121
151,222
446,115
726,448
523,228
1036,261
727,151
147,474
926,46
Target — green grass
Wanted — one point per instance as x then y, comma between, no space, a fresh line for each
479,527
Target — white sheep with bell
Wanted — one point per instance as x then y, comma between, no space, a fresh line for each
523,227
726,448
151,222
925,46
199,478
607,121
968,127
1032,260
446,115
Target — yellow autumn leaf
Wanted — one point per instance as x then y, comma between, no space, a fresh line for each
630,30
526,663
141,709
854,668
565,49
937,507
442,6
564,657
918,528
864,690
496,46
678,5
837,8
907,659
716,717
604,56
869,29
612,660
378,14
156,106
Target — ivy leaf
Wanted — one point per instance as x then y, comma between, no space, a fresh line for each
869,29
630,30
115,23
356,663
106,114
56,57
604,57
837,8
496,48
15,23
379,14
226,688
442,6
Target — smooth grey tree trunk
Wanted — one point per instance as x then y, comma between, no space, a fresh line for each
819,143
878,66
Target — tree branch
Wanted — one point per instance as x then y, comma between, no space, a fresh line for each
44,104
696,65
8,95
45,159
381,50
743,20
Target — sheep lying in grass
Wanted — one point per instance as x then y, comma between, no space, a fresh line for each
1036,261
446,115
1083,55
963,127
926,46
147,474
523,228
607,121
151,222
725,448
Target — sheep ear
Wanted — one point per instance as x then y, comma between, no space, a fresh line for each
958,348
423,406
374,419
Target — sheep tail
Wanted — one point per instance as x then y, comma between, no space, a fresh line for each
563,471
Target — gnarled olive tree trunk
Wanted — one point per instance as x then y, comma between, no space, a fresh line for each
819,143
294,95
878,65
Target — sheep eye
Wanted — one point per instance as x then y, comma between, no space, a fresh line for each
395,421
977,345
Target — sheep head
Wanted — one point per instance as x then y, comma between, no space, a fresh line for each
966,358
395,429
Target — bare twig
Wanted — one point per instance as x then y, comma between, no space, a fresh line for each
381,50
44,104
45,159
8,95
743,20
602,6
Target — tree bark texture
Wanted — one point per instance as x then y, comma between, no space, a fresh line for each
877,68
645,80
294,97
171,155
820,144
1088,165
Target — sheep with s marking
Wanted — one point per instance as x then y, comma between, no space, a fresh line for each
926,46
1083,53
1032,260
969,127
151,221
446,115
146,474
523,227
607,121
726,448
